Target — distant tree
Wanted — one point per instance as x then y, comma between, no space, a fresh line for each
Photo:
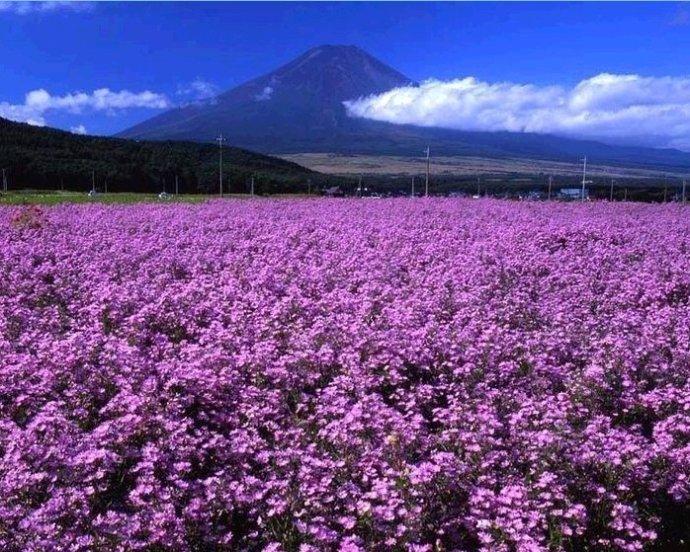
43,158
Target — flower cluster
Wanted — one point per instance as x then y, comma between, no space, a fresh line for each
345,375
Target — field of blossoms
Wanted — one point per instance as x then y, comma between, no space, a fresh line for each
422,375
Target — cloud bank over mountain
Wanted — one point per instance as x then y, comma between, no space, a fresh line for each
622,108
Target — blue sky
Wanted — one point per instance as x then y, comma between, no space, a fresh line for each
180,51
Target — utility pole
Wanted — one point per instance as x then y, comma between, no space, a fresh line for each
611,193
359,187
550,183
412,186
684,191
479,190
220,141
4,180
584,176
426,184
665,189
625,196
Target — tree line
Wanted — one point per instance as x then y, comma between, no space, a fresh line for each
43,158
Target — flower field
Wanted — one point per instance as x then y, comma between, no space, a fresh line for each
345,375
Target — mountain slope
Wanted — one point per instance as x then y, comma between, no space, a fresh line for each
299,108
299,102
44,158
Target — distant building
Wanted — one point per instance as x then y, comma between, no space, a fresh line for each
535,195
334,191
570,194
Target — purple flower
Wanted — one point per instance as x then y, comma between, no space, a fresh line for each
344,375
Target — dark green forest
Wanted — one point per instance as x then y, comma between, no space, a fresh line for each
44,158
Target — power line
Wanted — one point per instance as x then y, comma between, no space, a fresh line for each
426,184
683,191
550,183
665,188
220,141
584,176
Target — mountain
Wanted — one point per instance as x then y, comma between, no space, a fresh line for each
37,157
299,108
297,105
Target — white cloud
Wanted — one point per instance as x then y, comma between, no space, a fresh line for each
199,89
24,8
265,94
38,102
649,110
79,129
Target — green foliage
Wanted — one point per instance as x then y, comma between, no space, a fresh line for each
42,158
50,197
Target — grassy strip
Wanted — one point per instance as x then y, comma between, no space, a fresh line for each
42,197
51,197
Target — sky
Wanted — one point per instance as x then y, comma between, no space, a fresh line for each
612,70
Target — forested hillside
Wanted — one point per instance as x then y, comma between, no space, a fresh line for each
46,158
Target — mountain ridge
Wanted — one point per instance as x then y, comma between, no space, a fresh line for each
298,108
